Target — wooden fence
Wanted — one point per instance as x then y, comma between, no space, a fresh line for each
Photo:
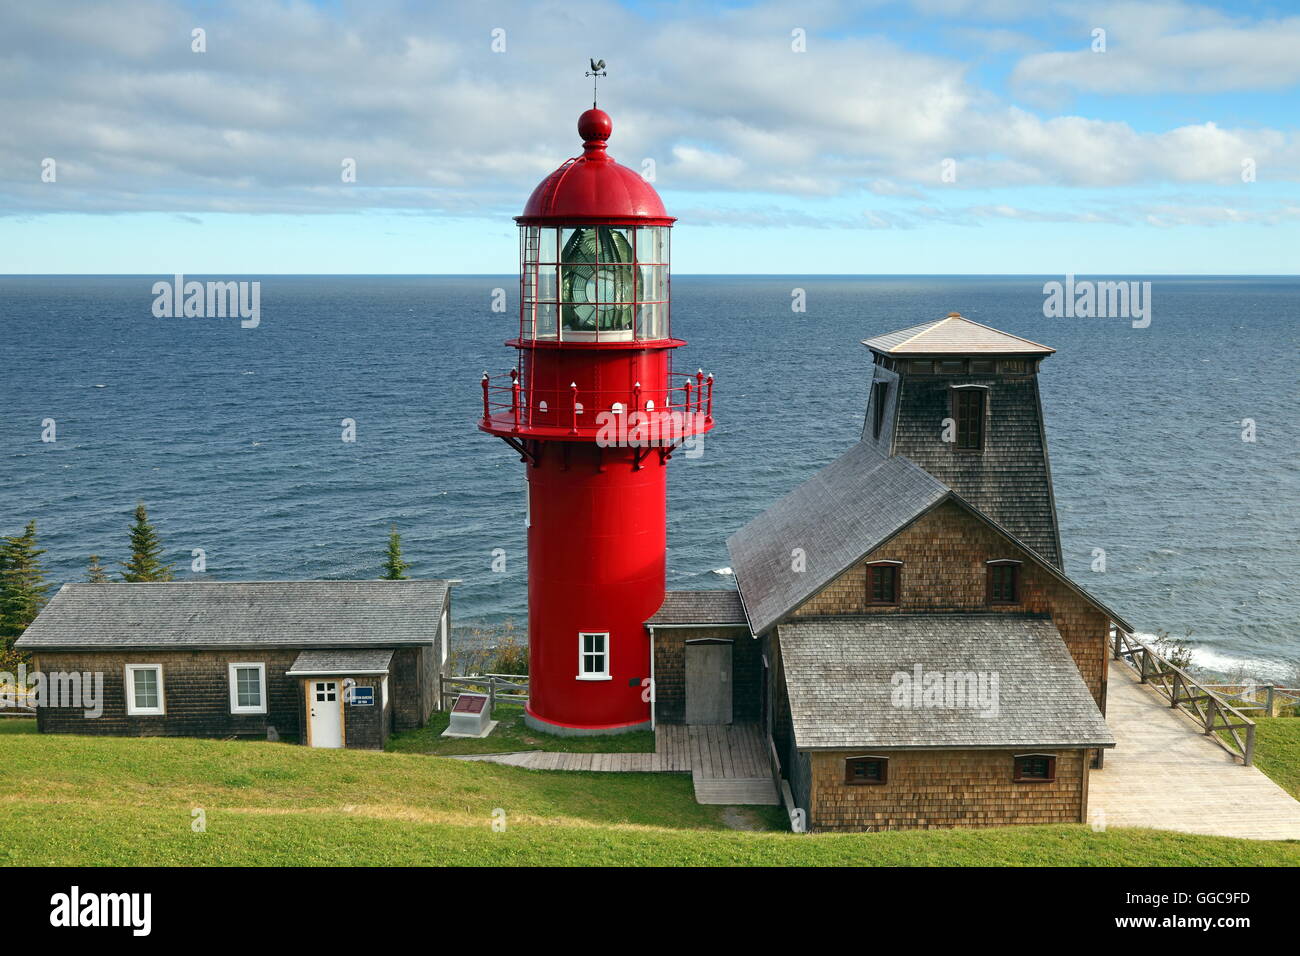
1211,710
1247,696
16,703
496,686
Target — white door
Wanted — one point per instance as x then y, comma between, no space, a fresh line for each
326,713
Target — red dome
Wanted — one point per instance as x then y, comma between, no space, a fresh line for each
594,188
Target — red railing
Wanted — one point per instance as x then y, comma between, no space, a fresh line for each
510,404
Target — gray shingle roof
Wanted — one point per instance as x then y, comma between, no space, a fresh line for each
700,607
239,614
840,673
954,335
314,663
835,517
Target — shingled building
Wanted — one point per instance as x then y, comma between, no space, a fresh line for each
925,660
325,663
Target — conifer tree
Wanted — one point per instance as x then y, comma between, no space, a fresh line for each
23,591
146,552
394,567
96,572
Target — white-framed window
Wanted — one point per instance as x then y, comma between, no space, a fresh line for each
144,690
593,655
248,688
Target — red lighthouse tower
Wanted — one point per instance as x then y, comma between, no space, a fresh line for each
595,411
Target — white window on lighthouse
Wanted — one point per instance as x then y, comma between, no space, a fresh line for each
593,656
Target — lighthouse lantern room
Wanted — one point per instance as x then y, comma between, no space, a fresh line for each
595,411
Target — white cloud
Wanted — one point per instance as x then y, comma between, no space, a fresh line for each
1166,48
439,123
885,187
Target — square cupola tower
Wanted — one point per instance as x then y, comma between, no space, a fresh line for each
961,400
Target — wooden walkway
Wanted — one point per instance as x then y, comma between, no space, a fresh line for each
1164,773
727,764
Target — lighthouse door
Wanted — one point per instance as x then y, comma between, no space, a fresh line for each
708,682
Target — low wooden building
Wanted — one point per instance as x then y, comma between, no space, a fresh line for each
325,663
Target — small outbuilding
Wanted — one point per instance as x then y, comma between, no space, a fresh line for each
707,669
326,663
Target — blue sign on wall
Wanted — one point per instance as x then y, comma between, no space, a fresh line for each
363,697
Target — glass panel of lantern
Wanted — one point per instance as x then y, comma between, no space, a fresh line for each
652,283
545,321
548,245
652,244
596,280
650,320
546,283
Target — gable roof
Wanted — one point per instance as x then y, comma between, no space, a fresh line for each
954,335
839,516
719,607
210,614
835,517
840,674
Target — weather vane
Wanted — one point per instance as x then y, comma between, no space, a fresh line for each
597,69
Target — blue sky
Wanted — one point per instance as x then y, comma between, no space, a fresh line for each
787,137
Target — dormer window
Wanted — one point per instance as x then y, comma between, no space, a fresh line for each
882,582
968,415
1004,582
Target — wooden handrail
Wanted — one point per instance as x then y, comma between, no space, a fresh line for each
1185,692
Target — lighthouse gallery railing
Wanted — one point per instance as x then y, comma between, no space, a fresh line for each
509,401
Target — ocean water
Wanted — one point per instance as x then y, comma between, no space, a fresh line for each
233,436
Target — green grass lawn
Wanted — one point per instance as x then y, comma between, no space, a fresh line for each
129,801
512,734
1277,750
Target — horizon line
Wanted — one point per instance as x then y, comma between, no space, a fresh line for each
738,275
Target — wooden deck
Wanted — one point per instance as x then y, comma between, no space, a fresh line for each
727,764
1165,773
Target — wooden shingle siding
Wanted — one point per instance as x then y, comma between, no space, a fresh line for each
1010,480
791,550
670,672
940,789
196,691
367,727
944,555
413,686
